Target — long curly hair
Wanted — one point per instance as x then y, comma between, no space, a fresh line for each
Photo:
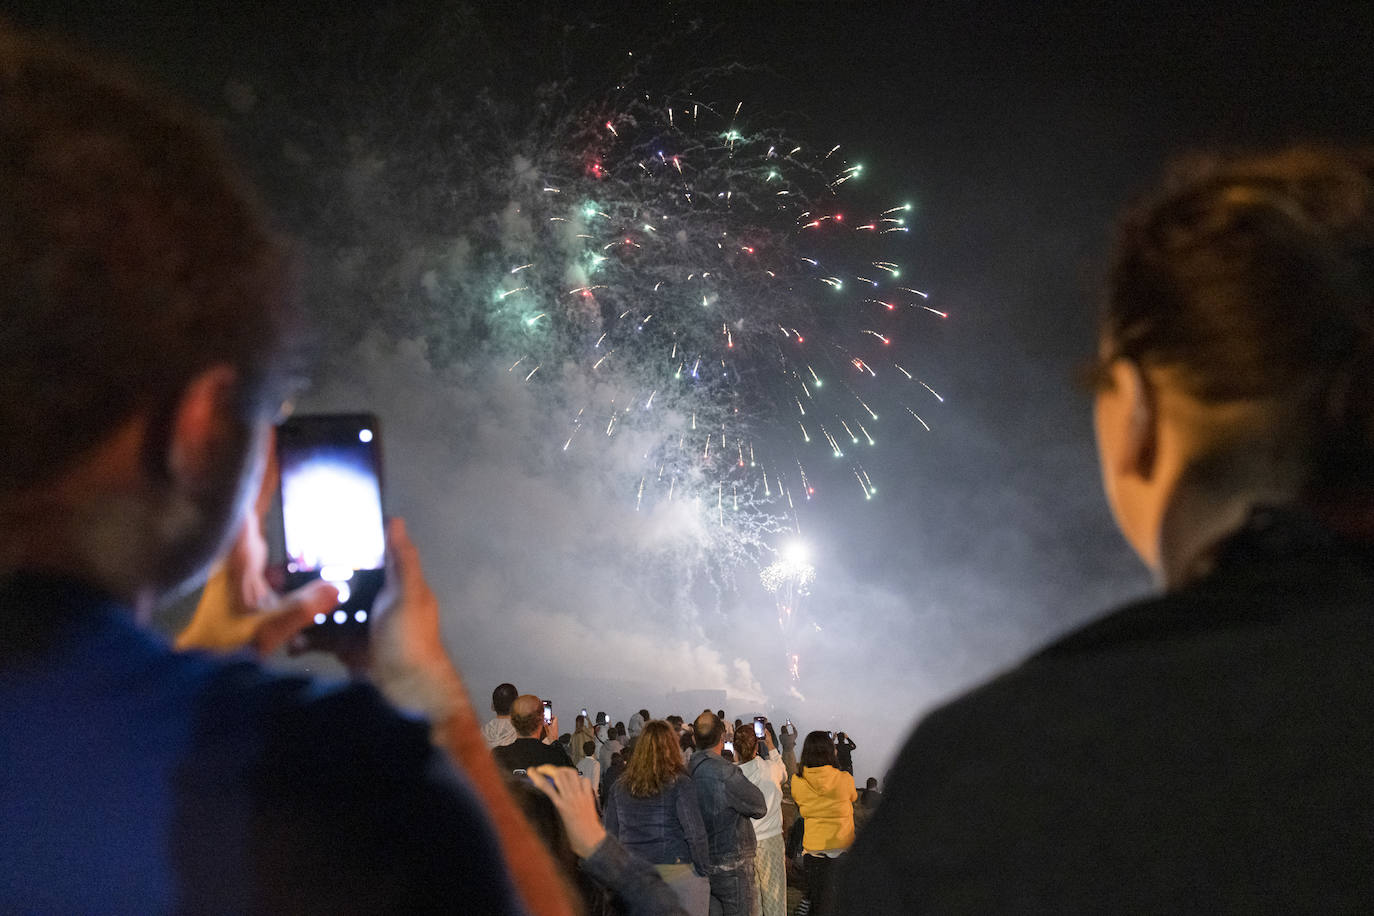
656,761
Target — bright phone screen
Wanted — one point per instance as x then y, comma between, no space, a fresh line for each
331,494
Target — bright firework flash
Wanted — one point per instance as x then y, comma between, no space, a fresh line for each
789,581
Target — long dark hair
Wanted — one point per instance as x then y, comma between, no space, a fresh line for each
1251,279
818,750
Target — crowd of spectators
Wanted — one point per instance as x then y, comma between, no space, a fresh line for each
700,801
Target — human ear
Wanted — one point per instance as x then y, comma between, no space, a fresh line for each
201,433
1137,416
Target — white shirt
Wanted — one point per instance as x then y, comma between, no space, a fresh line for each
768,776
590,769
604,752
499,732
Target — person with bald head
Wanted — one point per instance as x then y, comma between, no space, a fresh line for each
529,748
728,802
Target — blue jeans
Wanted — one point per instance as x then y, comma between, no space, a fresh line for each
733,892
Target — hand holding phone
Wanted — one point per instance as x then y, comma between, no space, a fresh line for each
239,609
548,712
240,606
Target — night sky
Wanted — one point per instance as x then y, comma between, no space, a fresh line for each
1017,131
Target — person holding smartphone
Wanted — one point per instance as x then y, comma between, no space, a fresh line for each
534,724
844,752
765,770
149,337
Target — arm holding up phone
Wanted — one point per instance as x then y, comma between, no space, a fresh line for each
407,661
412,668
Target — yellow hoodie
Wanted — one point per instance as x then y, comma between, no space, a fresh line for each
825,797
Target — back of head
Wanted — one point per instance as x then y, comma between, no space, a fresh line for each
527,715
132,258
818,750
746,743
1251,280
502,697
709,729
655,761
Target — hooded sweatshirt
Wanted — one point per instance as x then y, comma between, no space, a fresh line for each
825,797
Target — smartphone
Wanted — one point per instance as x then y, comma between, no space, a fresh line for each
758,727
730,746
331,515
832,735
548,712
584,712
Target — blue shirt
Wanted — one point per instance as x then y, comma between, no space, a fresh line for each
138,779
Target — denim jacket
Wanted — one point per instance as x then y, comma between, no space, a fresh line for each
664,829
728,801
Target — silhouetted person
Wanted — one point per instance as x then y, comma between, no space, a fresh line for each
1208,749
148,339
844,752
532,746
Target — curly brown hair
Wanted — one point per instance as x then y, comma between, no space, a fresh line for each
132,257
656,761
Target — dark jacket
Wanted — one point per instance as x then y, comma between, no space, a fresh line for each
1207,751
844,753
728,800
526,753
608,779
664,829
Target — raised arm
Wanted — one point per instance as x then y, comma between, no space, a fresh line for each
411,666
744,796
637,884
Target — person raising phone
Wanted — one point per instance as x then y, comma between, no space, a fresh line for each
148,338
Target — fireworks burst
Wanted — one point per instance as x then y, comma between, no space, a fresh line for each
706,278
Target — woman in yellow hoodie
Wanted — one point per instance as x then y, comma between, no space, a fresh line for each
825,798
